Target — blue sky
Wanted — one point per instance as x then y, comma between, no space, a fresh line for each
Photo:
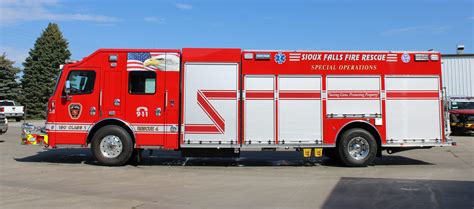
316,25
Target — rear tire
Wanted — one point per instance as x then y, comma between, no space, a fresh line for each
357,148
112,146
18,119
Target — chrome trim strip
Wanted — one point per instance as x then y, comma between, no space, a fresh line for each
419,145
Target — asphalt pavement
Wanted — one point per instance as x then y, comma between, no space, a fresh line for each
31,177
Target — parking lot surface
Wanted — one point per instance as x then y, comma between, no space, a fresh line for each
31,177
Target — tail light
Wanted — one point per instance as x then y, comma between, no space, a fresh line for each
2,109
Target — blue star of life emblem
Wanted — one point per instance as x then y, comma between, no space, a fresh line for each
280,58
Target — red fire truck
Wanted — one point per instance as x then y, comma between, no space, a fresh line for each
352,104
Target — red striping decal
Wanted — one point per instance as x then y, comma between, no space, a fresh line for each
210,111
259,95
220,95
413,95
145,133
354,95
67,131
200,128
304,95
203,97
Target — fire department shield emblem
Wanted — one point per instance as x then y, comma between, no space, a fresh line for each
75,110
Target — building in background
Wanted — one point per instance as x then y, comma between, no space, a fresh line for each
458,74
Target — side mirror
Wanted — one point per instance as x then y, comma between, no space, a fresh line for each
67,91
67,88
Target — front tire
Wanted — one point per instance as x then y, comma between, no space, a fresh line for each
112,146
357,148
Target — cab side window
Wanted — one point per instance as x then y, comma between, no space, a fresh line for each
141,82
82,81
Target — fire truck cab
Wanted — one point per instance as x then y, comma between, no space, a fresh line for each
353,104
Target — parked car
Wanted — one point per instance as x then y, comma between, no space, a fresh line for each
12,110
461,115
3,123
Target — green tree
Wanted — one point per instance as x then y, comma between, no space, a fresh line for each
9,87
41,70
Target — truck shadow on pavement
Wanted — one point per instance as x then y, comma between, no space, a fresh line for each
368,193
174,158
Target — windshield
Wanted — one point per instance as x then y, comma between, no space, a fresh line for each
462,105
57,81
6,103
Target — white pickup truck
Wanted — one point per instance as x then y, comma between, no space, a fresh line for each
11,110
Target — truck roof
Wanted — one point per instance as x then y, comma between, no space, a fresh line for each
338,51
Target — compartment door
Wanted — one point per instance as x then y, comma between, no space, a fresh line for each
353,96
413,109
259,110
210,105
299,110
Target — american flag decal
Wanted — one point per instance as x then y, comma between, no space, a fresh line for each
136,61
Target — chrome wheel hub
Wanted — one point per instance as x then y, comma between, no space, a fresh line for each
358,148
111,146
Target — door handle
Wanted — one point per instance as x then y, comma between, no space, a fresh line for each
166,99
158,111
92,111
117,102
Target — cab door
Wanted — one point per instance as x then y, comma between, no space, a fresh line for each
78,109
111,103
146,97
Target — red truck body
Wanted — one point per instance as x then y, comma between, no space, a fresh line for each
233,98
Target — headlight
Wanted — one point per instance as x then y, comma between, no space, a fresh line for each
28,128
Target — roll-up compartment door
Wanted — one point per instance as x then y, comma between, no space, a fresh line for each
353,96
413,109
259,110
299,110
210,104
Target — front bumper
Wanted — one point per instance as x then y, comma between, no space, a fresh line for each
11,115
33,135
467,128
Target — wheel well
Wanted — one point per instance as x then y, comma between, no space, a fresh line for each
366,126
106,122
